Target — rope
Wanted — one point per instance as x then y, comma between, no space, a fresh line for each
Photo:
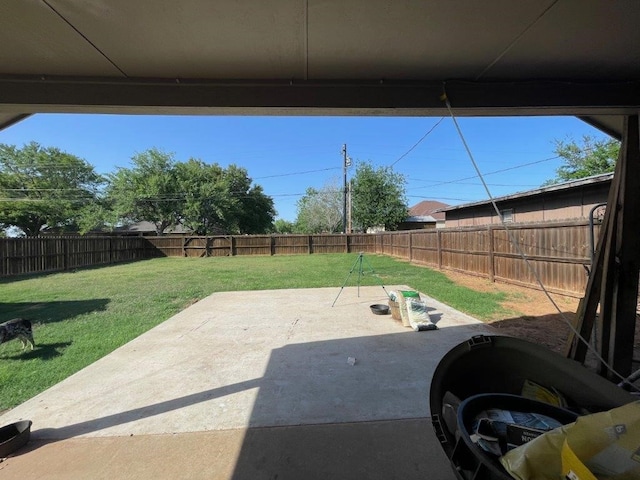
521,253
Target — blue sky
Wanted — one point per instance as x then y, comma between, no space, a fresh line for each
276,150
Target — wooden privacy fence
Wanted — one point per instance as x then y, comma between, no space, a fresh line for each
560,252
20,256
232,245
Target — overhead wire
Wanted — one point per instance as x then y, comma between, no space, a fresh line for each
522,254
297,173
436,184
502,170
418,142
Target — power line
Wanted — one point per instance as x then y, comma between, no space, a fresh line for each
280,175
418,142
175,197
297,173
488,173
442,198
532,185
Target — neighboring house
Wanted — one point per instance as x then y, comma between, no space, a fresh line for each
426,214
562,201
145,228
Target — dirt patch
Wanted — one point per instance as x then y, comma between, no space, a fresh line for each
530,313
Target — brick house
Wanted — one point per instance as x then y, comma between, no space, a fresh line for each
426,214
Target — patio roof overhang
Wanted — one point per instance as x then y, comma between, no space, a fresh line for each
293,57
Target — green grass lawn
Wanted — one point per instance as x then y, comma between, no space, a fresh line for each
79,317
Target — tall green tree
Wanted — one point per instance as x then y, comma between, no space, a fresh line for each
207,205
97,216
590,157
222,200
44,186
320,210
280,225
378,197
253,211
257,211
149,190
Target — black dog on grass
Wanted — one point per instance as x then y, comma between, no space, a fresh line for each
17,328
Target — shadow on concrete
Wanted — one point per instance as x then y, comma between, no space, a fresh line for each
434,315
129,416
400,449
50,312
317,416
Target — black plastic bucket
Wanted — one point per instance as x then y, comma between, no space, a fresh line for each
14,436
501,365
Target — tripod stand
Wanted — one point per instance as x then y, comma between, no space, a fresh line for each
358,263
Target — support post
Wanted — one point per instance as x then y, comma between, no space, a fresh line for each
588,306
627,261
613,280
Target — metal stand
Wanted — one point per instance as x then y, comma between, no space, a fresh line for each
358,263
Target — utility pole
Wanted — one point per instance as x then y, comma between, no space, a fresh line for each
349,224
346,162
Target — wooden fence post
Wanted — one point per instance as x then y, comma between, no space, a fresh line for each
410,246
231,245
439,249
492,265
346,243
272,245
309,247
65,254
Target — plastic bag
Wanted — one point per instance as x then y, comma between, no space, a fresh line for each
418,313
403,303
601,446
497,430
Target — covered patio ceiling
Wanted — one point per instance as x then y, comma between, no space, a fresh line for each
321,57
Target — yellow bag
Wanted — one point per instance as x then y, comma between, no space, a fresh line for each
601,446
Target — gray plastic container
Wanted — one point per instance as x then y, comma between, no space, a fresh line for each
500,365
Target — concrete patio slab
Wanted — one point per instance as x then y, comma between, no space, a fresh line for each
258,366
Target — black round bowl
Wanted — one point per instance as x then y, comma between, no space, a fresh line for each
380,309
14,436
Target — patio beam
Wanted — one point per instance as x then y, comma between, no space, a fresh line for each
40,94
